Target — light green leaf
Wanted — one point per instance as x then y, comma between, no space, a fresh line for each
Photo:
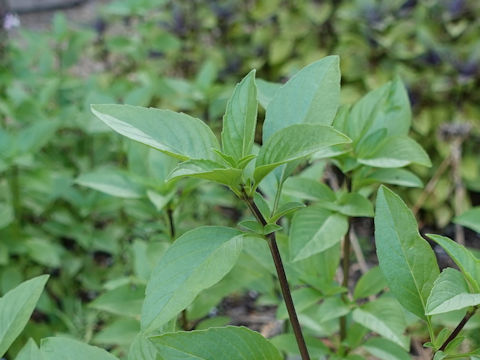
308,189
142,349
16,307
385,317
29,352
196,260
240,119
266,91
400,177
449,293
406,259
314,230
370,283
386,107
352,204
302,298
286,209
468,264
112,182
208,170
34,137
6,215
120,331
385,350
124,300
293,143
57,348
175,134
233,343
310,96
470,219
395,152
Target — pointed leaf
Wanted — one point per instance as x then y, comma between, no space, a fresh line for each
112,182
29,352
450,293
293,143
233,343
370,283
470,219
385,317
385,350
314,230
310,96
468,264
266,91
175,134
142,349
406,259
308,189
240,120
57,348
400,177
16,307
208,170
195,261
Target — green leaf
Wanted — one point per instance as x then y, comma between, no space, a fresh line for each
286,209
399,177
16,307
142,349
370,283
112,182
208,170
308,189
406,259
470,219
385,350
314,230
124,300
287,343
449,293
302,298
195,261
240,119
395,152
293,143
34,137
352,204
175,134
233,343
386,107
29,352
310,96
6,215
385,317
266,91
57,348
468,264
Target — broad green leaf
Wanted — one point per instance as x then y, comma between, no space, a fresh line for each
302,298
385,350
287,343
34,137
293,143
314,230
6,215
58,348
29,352
175,134
385,317
406,259
370,283
233,343
16,307
142,349
44,252
395,152
286,209
310,96
266,91
308,189
400,177
240,119
195,261
208,170
468,264
351,204
120,331
124,300
449,293
386,107
470,219
332,308
112,182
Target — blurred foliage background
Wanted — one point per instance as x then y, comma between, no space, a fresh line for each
186,56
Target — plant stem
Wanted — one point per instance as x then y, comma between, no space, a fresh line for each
346,271
282,278
459,328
